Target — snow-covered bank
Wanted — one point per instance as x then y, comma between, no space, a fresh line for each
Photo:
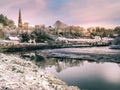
98,54
18,74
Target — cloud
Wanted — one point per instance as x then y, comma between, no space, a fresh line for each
76,12
91,11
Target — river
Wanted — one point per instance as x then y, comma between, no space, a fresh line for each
93,68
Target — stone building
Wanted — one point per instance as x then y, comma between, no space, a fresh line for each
26,26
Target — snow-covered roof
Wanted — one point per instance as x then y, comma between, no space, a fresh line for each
74,40
13,38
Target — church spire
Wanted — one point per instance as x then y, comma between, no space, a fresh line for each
20,19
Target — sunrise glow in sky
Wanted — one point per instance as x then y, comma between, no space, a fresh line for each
71,12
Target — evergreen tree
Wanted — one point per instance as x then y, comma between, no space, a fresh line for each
5,21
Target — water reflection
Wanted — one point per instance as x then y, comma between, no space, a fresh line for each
82,73
59,63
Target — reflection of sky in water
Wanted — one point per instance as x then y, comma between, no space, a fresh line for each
102,75
91,75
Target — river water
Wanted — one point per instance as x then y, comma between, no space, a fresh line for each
95,68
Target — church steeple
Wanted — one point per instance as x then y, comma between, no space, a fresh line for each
20,19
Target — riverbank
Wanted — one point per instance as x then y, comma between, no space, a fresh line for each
97,54
19,74
40,46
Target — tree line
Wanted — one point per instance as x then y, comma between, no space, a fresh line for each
5,21
77,31
64,30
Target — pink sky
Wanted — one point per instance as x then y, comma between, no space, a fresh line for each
72,12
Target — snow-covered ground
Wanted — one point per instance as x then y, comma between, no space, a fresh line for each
19,74
89,50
